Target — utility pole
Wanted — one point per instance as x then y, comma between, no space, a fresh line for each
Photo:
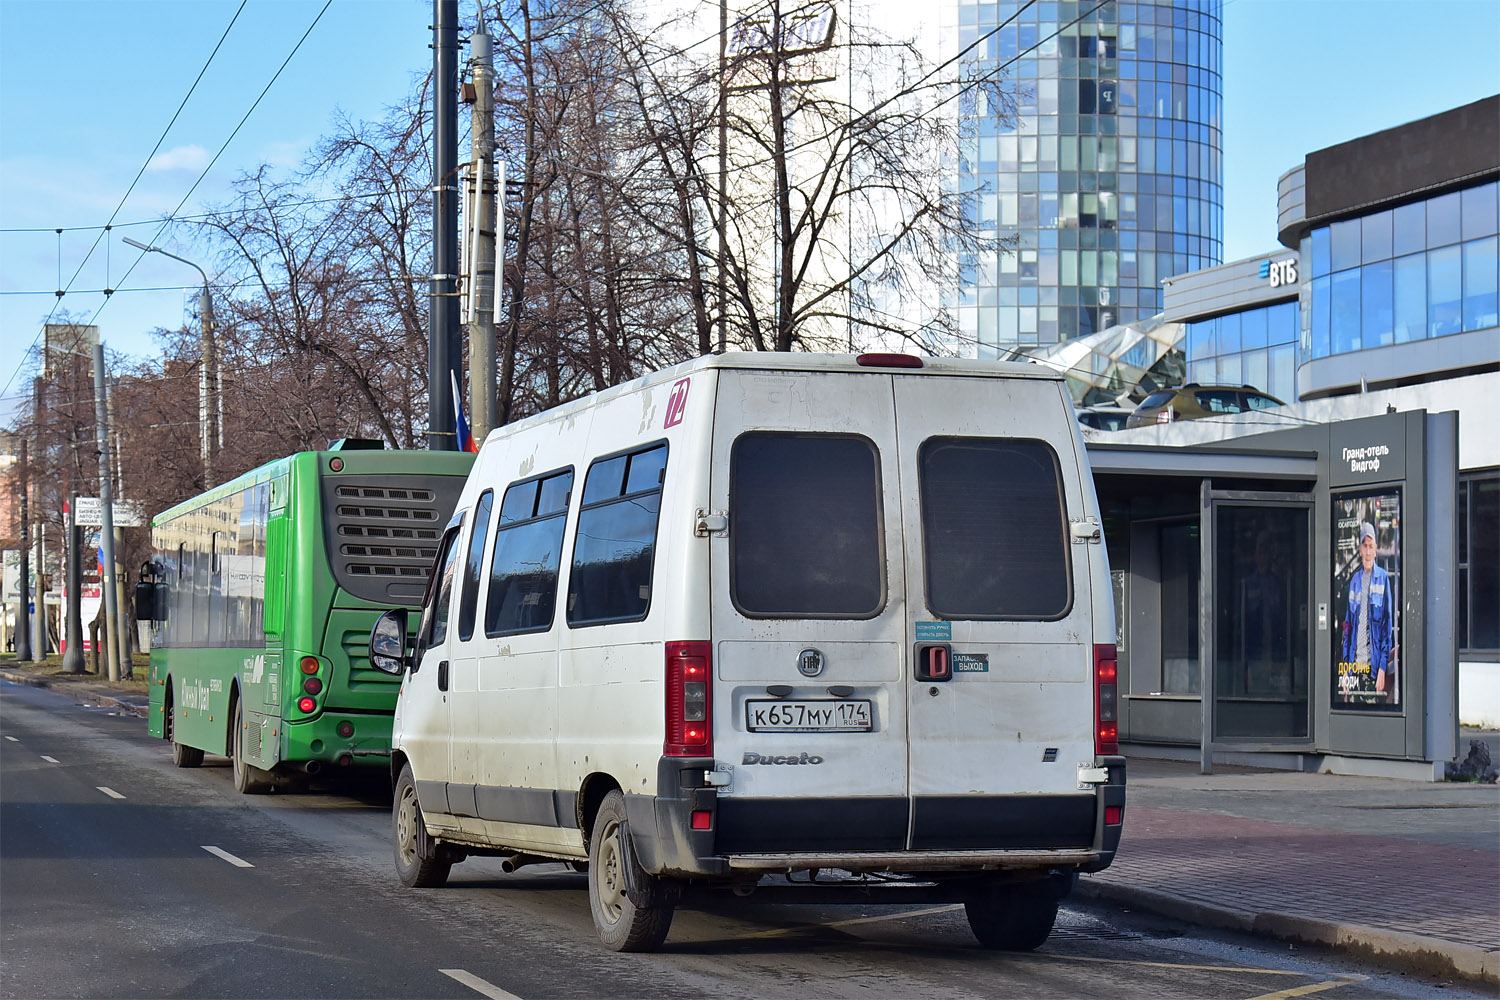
482,300
23,612
117,668
39,537
73,656
723,290
443,349
117,477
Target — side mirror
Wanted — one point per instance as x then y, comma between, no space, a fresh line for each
388,642
145,602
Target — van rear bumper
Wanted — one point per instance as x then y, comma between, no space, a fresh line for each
666,844
915,861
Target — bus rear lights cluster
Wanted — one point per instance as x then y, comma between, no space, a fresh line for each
306,704
346,729
312,685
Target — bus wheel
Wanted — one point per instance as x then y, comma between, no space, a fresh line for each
420,862
182,754
248,779
1015,917
622,925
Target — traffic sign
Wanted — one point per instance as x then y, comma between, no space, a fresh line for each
89,512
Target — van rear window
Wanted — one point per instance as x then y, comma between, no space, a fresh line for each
805,541
993,529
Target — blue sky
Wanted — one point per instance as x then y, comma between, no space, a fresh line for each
87,87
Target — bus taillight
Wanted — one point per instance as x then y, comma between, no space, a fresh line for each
312,685
307,705
309,664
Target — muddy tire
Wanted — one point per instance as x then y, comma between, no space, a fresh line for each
622,925
248,779
182,754
421,862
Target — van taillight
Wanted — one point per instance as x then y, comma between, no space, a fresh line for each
1106,702
689,707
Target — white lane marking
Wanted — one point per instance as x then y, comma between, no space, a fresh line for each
12,739
50,760
109,791
220,853
478,985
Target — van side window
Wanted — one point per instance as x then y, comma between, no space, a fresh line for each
469,603
528,548
993,529
806,537
610,580
435,611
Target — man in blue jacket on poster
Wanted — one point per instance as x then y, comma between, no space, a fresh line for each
1369,622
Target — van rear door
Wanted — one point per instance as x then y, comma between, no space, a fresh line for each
999,614
808,614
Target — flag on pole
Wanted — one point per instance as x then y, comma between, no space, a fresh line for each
460,425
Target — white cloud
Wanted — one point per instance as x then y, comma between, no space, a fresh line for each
181,158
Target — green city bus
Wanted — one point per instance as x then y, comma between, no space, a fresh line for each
261,594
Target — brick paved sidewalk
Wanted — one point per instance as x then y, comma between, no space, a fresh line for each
1452,893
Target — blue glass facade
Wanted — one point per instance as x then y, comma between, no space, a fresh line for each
1108,177
1255,347
1418,271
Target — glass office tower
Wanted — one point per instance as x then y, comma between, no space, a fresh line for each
1107,175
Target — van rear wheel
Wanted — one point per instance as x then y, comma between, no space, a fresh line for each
420,861
622,925
1014,917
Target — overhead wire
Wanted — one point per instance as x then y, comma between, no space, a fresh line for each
113,215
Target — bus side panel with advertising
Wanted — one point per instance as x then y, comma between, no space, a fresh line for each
262,593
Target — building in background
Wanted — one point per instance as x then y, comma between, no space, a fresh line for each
1384,297
1108,176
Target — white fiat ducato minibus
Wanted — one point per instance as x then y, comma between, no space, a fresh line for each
785,624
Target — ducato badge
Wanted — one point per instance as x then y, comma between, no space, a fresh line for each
810,662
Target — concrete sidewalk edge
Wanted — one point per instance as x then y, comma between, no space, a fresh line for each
1379,945
92,697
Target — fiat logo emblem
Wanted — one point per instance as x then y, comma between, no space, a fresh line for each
810,662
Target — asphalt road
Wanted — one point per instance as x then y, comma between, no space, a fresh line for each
122,876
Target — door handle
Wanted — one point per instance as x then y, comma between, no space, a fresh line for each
442,675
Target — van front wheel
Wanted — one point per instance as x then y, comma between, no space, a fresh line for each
622,925
1014,917
420,861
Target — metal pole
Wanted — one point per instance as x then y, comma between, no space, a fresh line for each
127,627
723,290
442,302
23,611
209,418
73,656
209,434
482,391
107,532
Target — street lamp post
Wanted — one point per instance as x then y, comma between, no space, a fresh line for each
208,375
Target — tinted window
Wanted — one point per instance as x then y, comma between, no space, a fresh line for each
610,580
1221,401
805,542
523,571
470,602
1158,399
993,529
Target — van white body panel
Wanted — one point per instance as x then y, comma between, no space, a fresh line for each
980,768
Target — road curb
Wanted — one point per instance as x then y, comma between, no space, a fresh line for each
1377,944
91,697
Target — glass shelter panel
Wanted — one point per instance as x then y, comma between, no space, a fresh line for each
1261,580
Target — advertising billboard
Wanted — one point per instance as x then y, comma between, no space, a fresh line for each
1366,582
